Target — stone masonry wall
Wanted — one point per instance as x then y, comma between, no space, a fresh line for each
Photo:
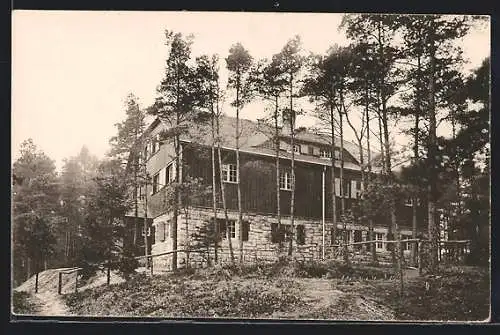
258,246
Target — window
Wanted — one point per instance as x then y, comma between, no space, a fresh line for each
140,193
286,180
337,154
170,173
155,145
379,237
229,173
156,182
346,189
333,236
406,245
280,235
324,153
355,189
345,235
310,150
296,148
145,152
231,229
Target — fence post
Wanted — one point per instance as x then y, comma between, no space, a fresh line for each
108,274
36,283
419,256
151,265
76,281
59,287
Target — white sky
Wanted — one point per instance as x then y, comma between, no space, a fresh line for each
72,70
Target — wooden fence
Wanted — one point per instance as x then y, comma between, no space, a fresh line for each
108,265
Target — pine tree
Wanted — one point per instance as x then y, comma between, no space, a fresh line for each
124,147
35,204
291,62
174,107
238,63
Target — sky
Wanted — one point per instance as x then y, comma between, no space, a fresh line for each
71,71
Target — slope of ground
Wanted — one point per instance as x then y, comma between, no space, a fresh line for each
275,291
454,294
47,302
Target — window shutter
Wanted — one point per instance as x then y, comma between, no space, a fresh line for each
162,182
337,187
153,235
274,233
246,229
150,148
301,235
173,171
160,232
354,188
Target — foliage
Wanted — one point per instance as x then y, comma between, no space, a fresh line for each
124,143
35,202
106,205
127,263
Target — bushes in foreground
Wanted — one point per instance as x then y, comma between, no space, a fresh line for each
295,269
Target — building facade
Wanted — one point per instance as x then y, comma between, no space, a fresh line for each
261,239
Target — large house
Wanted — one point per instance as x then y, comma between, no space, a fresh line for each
313,210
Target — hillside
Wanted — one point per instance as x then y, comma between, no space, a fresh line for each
292,291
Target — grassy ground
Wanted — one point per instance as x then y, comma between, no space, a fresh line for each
292,291
23,303
453,294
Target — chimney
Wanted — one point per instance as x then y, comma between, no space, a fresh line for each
287,124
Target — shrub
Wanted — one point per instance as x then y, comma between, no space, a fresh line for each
127,264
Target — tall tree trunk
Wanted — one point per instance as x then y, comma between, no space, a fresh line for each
432,152
292,198
277,156
414,202
187,240
176,202
373,247
136,201
388,171
240,213
332,159
223,192
28,268
214,189
145,225
177,147
342,198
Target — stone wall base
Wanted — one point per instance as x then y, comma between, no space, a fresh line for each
258,247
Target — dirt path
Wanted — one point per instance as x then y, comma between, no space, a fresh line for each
50,304
324,301
48,301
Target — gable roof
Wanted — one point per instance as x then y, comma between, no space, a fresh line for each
253,134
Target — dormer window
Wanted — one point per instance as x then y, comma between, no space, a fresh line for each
325,153
296,148
155,144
